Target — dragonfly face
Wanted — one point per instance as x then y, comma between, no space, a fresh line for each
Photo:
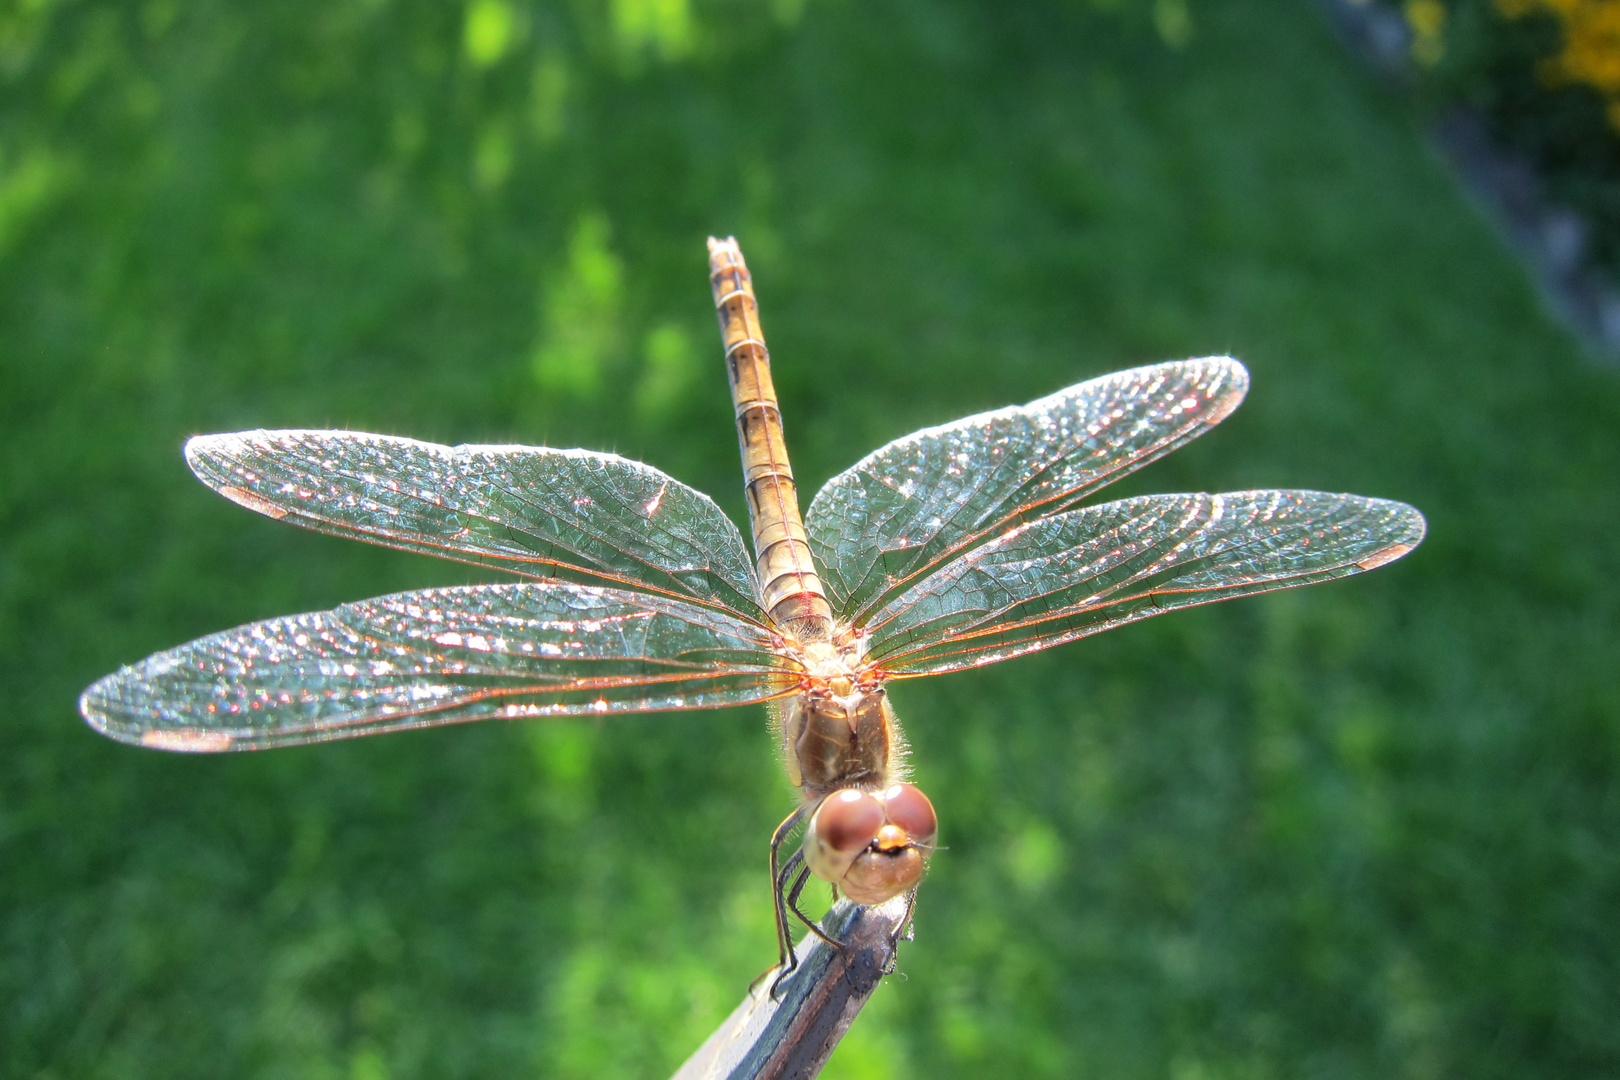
950,548
872,845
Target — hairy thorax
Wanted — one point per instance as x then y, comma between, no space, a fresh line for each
839,730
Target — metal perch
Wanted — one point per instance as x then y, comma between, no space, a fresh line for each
794,1035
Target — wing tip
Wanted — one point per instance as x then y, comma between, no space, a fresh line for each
1416,527
200,448
1383,556
209,456
92,712
1227,397
187,742
92,707
1223,378
199,452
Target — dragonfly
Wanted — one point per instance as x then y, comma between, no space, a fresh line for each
950,548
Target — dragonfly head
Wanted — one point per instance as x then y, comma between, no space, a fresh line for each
872,845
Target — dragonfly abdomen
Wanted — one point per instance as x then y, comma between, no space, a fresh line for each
790,588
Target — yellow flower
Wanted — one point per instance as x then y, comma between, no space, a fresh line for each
1427,18
1591,47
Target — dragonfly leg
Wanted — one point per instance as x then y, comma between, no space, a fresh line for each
903,927
795,869
797,862
791,898
786,958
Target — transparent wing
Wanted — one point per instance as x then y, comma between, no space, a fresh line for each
437,656
919,501
1086,570
529,510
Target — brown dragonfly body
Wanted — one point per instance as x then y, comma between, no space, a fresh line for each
953,547
869,832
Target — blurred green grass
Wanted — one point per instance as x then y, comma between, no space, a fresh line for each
1367,829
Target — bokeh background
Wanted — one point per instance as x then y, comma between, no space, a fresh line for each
1366,829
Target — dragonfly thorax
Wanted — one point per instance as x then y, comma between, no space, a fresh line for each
839,730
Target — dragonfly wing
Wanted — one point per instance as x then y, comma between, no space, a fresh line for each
910,506
1071,574
438,656
530,510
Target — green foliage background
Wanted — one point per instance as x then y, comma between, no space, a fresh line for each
1362,830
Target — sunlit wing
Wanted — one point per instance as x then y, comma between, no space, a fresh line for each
438,656
914,504
1076,573
530,510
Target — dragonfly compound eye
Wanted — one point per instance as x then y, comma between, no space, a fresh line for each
843,826
909,808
